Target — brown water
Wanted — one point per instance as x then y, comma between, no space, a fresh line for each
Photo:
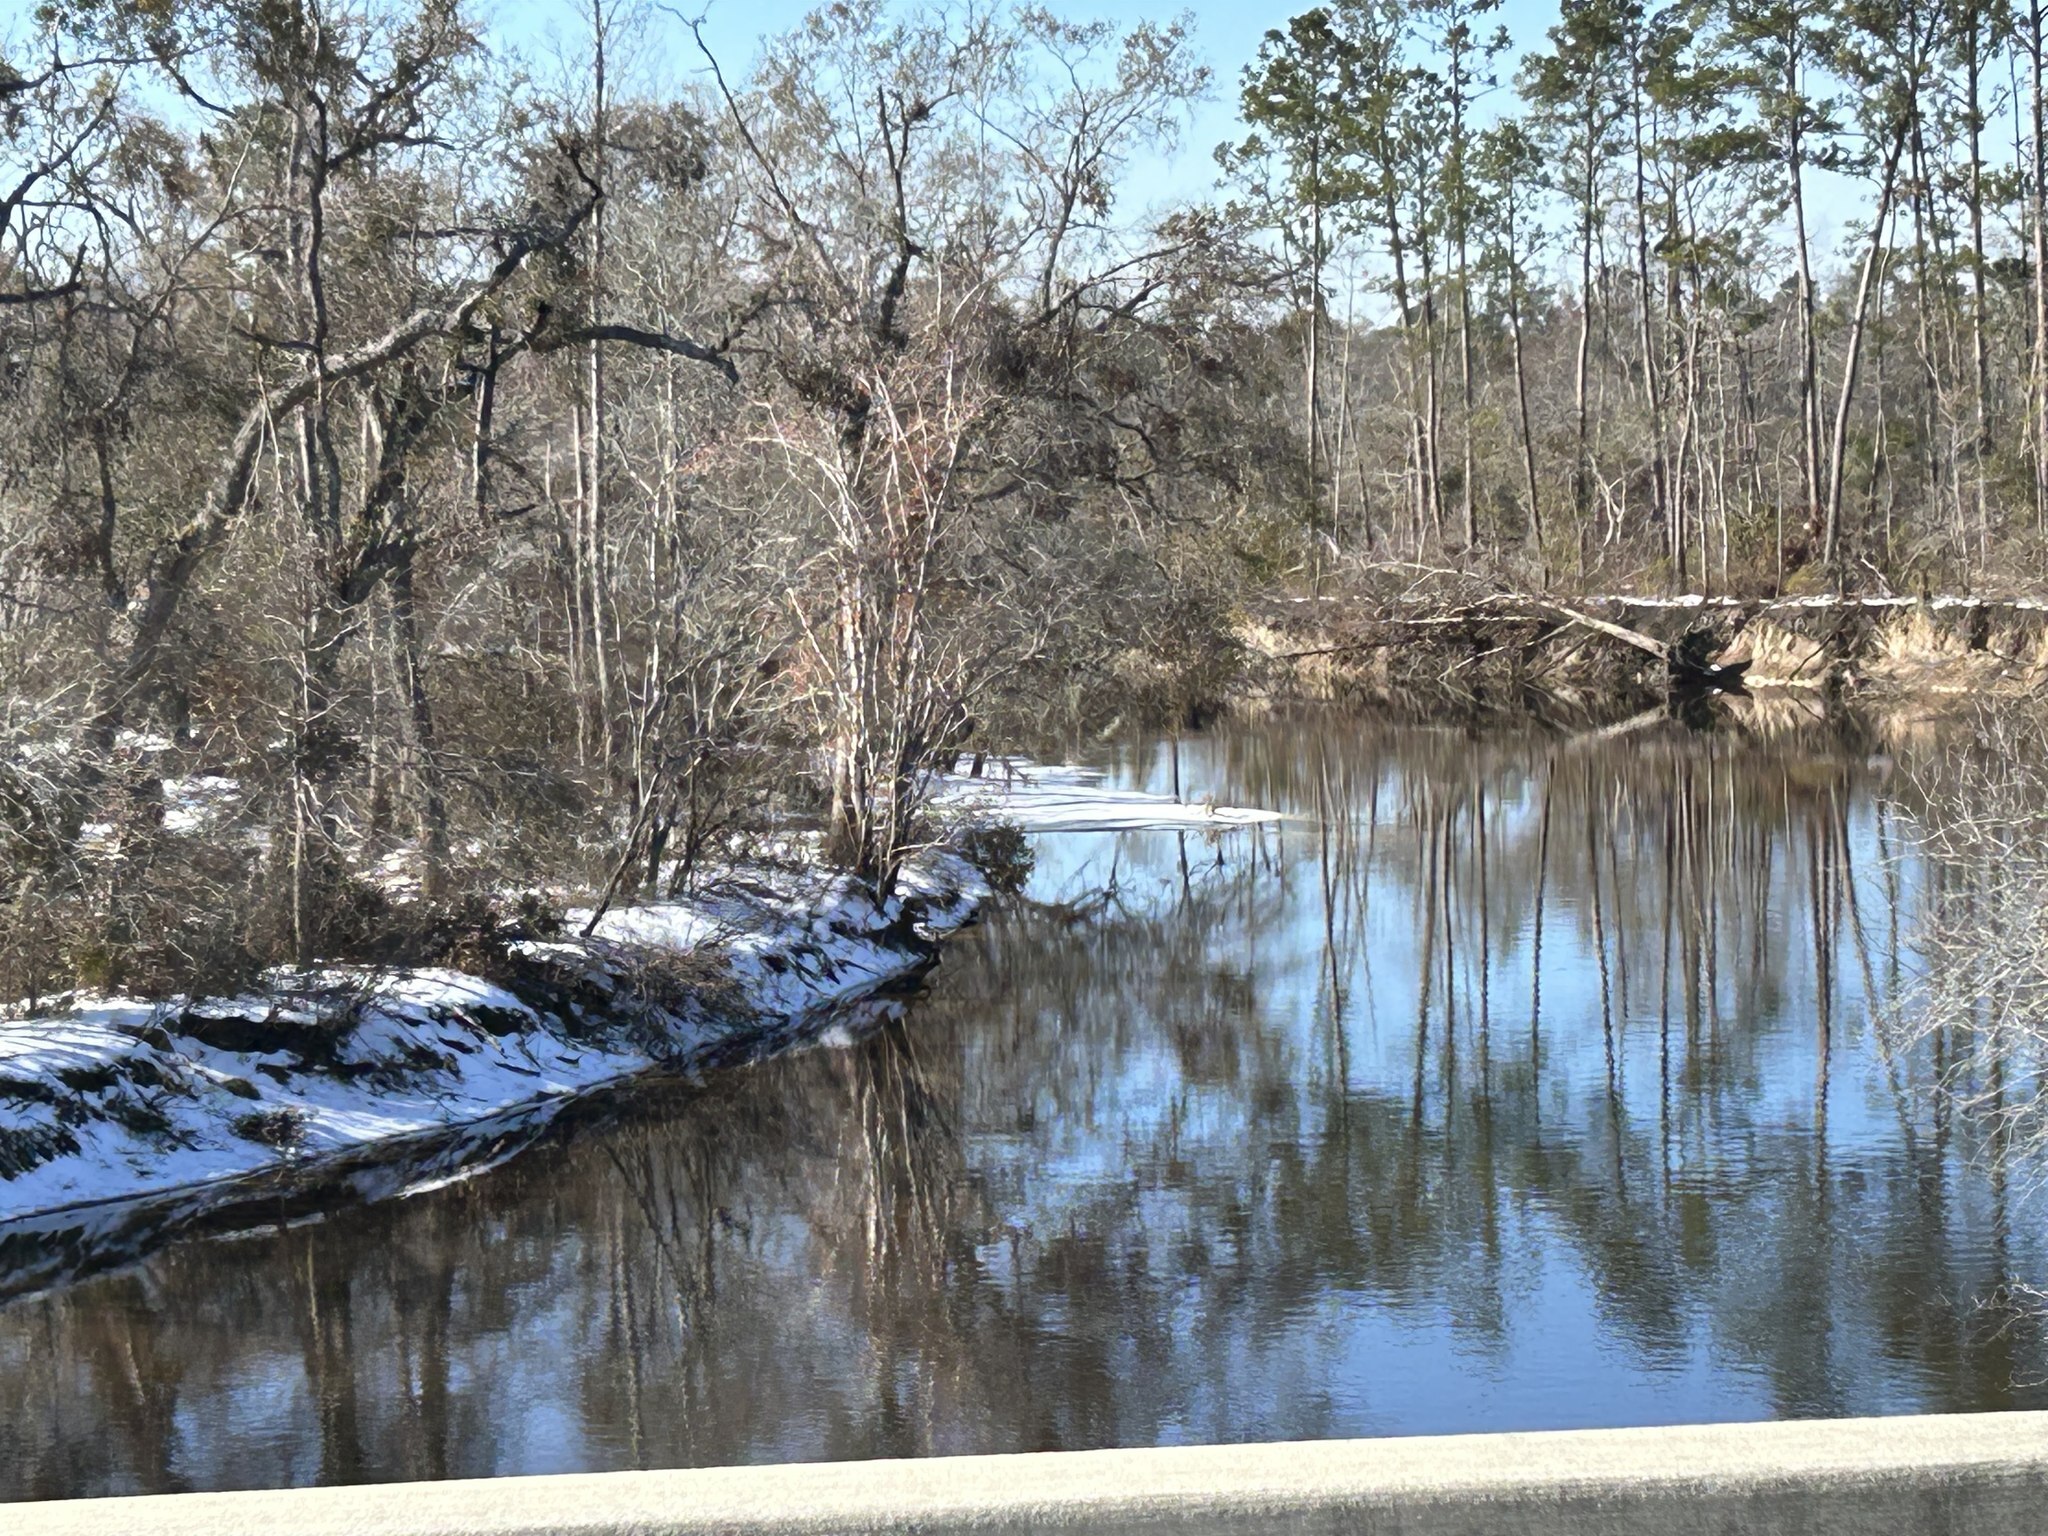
1519,1082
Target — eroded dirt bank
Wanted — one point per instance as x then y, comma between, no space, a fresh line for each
1505,649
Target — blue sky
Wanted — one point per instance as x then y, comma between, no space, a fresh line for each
1226,35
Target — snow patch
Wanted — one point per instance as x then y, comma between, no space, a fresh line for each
120,1099
1068,798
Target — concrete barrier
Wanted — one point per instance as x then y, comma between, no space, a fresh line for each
1980,1474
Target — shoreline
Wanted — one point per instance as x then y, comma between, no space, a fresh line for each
125,1122
1509,650
129,1120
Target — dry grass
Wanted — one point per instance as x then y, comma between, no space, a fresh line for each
1305,658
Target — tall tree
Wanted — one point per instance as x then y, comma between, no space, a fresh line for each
1465,56
1779,42
1298,95
1884,52
1509,167
1578,93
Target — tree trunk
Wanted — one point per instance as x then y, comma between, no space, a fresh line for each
1397,249
1522,394
433,806
1459,232
1838,445
1660,490
1809,387
1581,463
1980,352
1312,385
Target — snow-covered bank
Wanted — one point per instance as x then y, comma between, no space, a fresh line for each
118,1098
123,1120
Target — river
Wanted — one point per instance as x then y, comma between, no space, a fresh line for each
1519,1080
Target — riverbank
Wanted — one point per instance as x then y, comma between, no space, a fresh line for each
1504,649
126,1120
346,1081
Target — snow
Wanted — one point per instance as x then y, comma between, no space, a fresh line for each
1817,601
115,1099
147,1108
1038,798
113,1104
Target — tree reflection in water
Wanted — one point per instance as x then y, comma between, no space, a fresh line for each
1520,1080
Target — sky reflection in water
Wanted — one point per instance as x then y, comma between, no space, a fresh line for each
1517,1082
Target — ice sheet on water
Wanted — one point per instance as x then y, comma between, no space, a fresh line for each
1041,798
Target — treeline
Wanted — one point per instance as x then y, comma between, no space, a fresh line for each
426,469
420,459
1609,339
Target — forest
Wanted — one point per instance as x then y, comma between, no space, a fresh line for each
428,462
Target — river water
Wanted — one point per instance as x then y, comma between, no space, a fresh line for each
1519,1080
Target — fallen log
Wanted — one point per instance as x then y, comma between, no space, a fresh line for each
1613,631
1689,663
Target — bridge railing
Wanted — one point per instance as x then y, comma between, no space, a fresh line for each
1960,1475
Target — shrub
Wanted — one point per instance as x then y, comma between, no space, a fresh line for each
1001,851
281,1129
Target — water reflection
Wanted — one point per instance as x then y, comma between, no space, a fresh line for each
1518,1082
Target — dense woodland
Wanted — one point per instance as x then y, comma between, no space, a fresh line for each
475,467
